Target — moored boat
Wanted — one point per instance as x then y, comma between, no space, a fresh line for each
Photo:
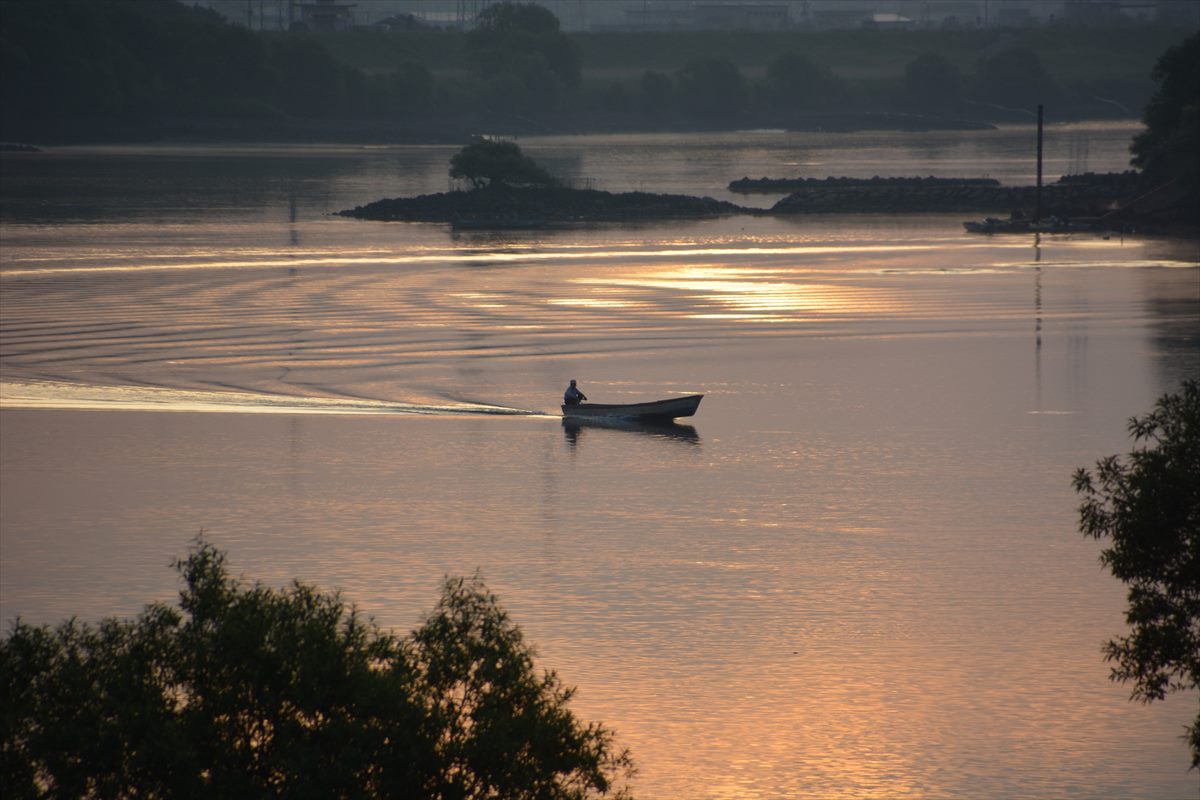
1047,225
994,225
660,410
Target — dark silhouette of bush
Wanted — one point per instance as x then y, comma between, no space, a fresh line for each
310,82
107,61
79,69
1170,145
932,83
656,92
247,691
1147,507
711,89
1015,78
795,83
521,58
406,90
489,162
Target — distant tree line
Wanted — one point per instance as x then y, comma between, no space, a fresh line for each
1010,81
73,69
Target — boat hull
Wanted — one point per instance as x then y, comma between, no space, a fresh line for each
1051,225
660,428
659,410
993,225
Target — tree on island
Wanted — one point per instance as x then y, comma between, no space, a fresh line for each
489,162
1148,507
247,691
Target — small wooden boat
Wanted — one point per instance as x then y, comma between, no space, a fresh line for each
659,410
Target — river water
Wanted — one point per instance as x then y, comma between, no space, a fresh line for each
855,573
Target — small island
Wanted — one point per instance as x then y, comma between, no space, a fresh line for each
509,190
503,206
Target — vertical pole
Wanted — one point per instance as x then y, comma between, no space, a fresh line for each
1037,212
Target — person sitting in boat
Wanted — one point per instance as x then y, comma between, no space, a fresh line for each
572,396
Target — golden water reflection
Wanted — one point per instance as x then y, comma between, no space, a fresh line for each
856,575
755,294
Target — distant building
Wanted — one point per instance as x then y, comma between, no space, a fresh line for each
1014,17
889,22
400,23
1092,12
834,17
926,14
657,17
326,15
741,16
1123,12
950,14
260,15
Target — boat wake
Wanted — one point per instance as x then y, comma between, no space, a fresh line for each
61,395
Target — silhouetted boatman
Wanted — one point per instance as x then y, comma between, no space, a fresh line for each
572,396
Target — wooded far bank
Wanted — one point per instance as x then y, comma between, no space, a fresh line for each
143,70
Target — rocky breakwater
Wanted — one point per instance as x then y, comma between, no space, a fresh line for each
788,185
506,206
1071,196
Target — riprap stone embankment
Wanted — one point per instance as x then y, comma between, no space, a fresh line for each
1074,196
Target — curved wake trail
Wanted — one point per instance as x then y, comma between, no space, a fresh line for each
58,395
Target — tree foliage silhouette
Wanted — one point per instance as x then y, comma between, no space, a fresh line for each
1147,507
489,162
248,691
520,59
711,88
795,83
1170,145
932,82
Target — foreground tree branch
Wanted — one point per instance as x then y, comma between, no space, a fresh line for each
1147,506
248,691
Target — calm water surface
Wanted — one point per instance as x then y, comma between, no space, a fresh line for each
854,573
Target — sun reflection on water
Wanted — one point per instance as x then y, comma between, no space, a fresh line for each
755,293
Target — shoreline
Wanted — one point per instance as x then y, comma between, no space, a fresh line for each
459,128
